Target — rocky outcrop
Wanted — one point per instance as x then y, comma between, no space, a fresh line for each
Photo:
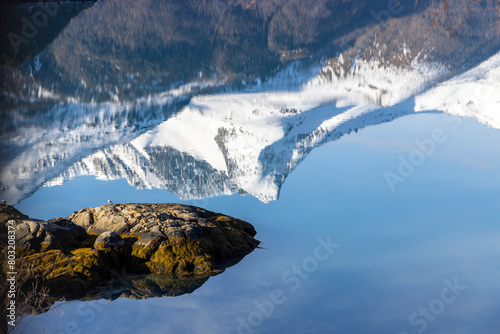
108,240
8,212
172,238
83,254
57,233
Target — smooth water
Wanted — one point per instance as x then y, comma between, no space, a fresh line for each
309,119
391,259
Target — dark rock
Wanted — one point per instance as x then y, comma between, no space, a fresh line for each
108,240
148,286
8,212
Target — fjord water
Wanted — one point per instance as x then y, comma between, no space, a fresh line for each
395,249
333,128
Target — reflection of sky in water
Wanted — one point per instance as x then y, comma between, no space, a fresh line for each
396,248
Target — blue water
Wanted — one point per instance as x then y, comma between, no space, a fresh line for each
421,258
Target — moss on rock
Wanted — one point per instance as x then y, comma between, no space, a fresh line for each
78,254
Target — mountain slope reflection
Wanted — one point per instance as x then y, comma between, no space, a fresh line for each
37,144
223,144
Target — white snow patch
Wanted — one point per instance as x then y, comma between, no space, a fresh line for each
475,93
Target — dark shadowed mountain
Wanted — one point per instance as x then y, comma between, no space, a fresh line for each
127,49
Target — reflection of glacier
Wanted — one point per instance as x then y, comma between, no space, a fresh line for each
223,144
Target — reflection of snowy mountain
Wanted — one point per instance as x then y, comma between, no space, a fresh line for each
226,143
475,93
222,144
38,145
250,142
304,74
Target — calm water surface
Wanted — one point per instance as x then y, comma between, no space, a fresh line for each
316,121
395,252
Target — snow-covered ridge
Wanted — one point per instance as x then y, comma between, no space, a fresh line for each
38,146
475,93
379,81
246,142
228,143
252,141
